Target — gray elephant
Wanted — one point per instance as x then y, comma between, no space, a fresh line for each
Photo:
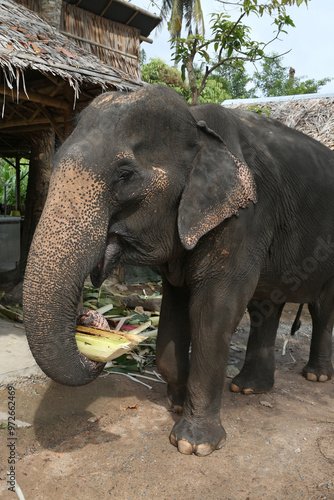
236,208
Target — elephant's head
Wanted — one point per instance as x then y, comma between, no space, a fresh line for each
122,190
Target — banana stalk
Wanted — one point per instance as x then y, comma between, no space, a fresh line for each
105,345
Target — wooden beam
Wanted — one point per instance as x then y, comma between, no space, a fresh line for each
27,130
35,97
54,124
8,127
18,184
106,8
15,110
91,42
131,17
56,80
145,39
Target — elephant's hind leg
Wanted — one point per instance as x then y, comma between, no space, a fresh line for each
257,374
319,367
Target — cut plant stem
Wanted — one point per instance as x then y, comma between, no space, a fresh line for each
105,345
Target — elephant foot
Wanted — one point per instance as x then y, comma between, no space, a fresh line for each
316,373
247,390
189,438
252,384
176,399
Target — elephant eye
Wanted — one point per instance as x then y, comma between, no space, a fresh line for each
125,175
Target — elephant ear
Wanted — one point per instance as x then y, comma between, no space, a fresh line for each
218,186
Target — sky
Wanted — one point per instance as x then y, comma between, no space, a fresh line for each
311,42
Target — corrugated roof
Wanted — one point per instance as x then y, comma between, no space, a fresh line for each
121,12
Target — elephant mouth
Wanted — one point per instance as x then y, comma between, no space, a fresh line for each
110,260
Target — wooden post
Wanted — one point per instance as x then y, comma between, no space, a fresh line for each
38,184
18,184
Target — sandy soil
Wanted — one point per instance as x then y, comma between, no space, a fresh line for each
110,438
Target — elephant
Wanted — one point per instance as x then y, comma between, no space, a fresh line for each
235,208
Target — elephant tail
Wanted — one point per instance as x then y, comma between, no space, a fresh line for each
297,323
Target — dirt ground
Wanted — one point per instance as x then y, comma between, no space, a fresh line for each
110,439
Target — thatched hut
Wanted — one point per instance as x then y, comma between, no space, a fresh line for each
312,114
110,29
51,70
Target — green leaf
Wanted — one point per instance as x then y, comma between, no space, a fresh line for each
183,72
89,305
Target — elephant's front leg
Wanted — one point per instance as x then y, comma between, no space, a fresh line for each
172,354
213,319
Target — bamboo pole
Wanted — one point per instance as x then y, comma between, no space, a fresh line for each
131,17
35,97
20,123
106,8
145,39
91,42
18,183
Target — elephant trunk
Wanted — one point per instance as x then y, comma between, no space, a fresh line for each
69,241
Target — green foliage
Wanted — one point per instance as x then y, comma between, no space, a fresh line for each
178,11
274,80
231,40
157,71
235,80
142,56
214,91
8,176
259,110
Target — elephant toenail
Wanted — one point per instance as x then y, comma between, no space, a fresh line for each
311,377
323,378
173,440
184,447
204,449
235,388
247,391
221,443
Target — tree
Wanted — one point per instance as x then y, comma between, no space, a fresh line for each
8,177
230,40
234,80
275,79
157,71
190,10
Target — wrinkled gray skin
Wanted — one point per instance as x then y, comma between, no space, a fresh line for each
235,208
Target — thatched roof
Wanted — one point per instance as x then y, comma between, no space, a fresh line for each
28,42
312,114
112,30
43,77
